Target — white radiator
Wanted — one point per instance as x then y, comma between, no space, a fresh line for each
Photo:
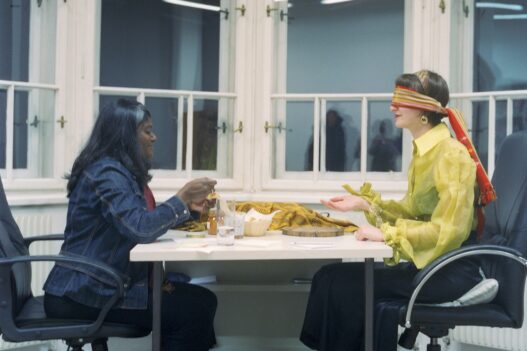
34,225
500,338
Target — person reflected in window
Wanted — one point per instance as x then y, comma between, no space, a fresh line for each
435,216
110,210
335,144
383,150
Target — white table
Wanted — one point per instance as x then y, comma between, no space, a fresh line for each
175,247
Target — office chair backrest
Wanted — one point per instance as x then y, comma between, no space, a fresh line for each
12,244
506,223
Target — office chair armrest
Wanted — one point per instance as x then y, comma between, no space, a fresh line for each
30,240
120,285
464,251
422,277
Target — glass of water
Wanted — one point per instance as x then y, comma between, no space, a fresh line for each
225,235
239,224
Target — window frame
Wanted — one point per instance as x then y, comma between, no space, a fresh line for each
274,46
230,32
250,66
19,181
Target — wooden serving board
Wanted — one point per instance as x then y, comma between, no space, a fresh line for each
313,231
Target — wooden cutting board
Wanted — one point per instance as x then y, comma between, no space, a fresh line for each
313,231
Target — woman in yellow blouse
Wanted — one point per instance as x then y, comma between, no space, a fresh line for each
435,216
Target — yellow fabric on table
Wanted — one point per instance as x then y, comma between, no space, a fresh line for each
291,215
294,215
192,226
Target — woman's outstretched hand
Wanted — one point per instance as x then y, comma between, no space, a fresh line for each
346,203
195,192
368,232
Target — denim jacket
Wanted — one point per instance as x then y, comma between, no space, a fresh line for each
107,217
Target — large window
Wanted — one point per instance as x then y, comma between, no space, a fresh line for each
323,50
500,50
27,93
267,96
167,49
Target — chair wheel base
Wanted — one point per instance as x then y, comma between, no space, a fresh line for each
433,347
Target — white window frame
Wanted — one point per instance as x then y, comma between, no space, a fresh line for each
272,56
231,36
250,70
19,181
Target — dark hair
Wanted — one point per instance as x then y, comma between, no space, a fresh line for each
428,83
115,135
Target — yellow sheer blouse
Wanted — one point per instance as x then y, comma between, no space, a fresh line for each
437,213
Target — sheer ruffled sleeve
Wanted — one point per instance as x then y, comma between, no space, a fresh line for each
382,210
449,225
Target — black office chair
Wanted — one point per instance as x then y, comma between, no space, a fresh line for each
22,316
501,251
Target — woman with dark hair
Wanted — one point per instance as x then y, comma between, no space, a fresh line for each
110,210
435,216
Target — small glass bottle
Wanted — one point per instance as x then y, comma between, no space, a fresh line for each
212,224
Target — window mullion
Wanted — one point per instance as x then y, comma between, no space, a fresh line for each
491,135
190,127
10,109
510,108
316,138
323,127
141,97
181,110
364,137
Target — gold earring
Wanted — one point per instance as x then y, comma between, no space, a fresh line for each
424,120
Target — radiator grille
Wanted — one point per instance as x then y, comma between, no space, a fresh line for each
35,225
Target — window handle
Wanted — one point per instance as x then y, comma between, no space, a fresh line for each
223,127
269,9
268,126
35,122
62,121
442,6
465,8
240,128
242,9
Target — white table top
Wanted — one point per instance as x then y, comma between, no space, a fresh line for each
175,246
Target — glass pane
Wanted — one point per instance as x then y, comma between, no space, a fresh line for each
519,108
21,120
176,46
14,40
342,126
3,104
339,48
501,123
165,120
500,47
212,146
384,139
34,133
292,131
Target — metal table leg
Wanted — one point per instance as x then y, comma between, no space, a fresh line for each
368,300
156,305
